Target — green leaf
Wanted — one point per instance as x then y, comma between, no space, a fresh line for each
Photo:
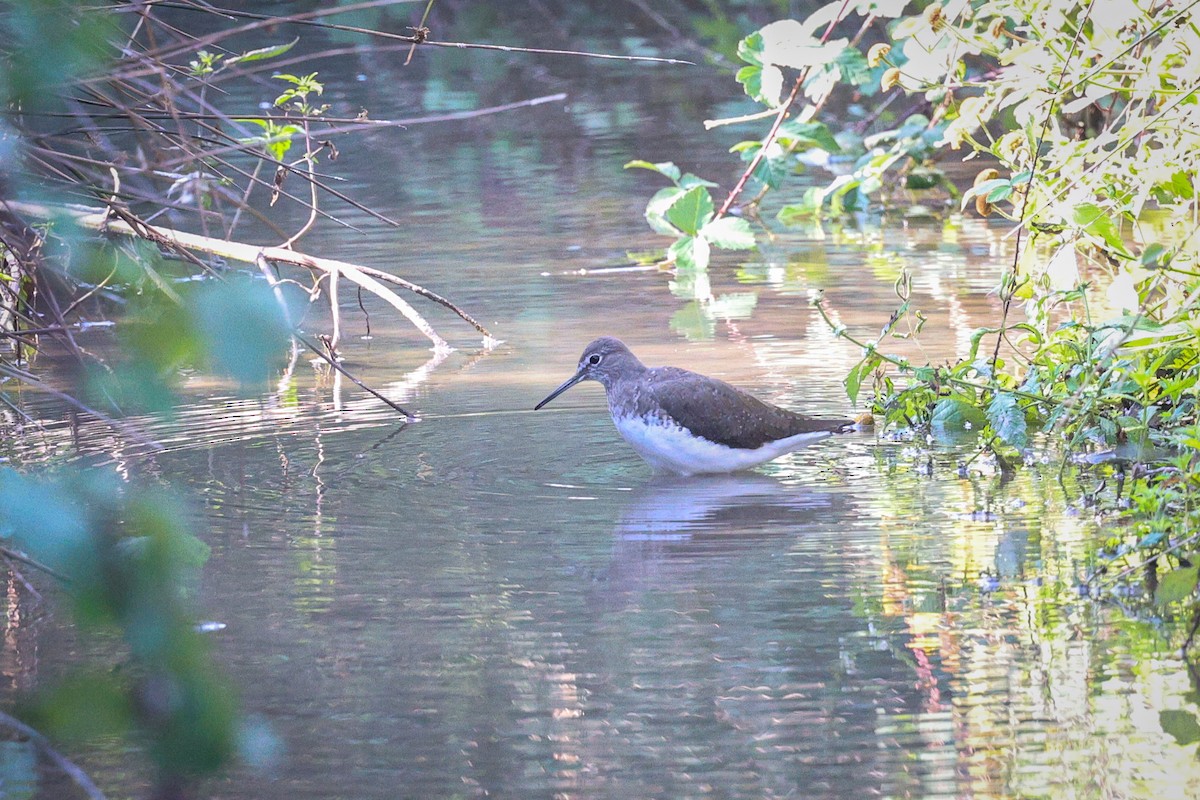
729,233
242,328
861,371
666,168
84,706
689,253
984,189
750,49
955,413
263,53
976,337
815,132
1180,724
1154,256
1176,585
853,381
43,519
1097,222
691,211
770,171
1000,193
1008,420
923,178
656,210
806,209
751,79
690,181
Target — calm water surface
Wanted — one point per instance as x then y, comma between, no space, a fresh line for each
493,602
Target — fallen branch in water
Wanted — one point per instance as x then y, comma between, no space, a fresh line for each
265,266
370,279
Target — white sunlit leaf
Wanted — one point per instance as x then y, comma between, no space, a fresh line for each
972,113
772,84
729,233
1122,293
789,43
1062,269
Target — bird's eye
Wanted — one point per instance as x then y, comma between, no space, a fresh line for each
594,359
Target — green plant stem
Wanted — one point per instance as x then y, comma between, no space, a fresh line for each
906,368
1024,216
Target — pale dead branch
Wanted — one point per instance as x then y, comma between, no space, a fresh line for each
369,279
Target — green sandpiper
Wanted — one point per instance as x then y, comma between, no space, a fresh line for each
689,424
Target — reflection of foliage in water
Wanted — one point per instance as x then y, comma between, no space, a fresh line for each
994,607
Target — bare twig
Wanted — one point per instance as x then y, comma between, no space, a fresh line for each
329,358
420,30
308,159
1023,216
24,559
410,417
358,125
417,38
62,762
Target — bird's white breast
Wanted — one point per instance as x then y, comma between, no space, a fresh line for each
668,447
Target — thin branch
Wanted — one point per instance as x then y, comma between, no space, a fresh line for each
421,29
410,417
905,368
24,559
740,186
1033,170
358,125
62,762
261,21
387,277
265,267
309,160
420,38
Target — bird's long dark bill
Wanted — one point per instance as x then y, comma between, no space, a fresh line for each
574,380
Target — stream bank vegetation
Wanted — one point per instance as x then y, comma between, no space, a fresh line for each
1082,124
131,167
